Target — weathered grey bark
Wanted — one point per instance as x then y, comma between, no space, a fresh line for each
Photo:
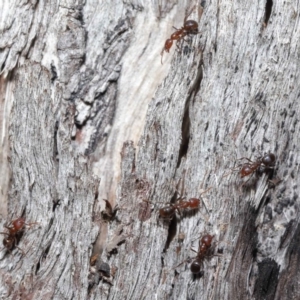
82,82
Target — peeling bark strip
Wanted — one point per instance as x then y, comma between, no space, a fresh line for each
82,82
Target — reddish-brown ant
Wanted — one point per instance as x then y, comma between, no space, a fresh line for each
14,228
168,212
189,27
261,165
204,246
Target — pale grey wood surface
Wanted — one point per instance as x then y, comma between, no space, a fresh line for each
89,113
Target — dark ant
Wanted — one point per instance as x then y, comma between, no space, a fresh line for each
189,27
14,228
260,166
204,246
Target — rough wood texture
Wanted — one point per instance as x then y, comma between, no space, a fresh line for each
82,83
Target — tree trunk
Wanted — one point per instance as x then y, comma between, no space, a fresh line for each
82,82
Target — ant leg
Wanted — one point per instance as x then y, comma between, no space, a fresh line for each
162,54
205,191
227,174
177,46
181,182
194,250
181,43
179,212
178,193
159,202
8,224
31,224
182,39
205,206
23,253
5,249
274,182
236,168
8,227
157,219
251,161
188,13
199,238
186,260
247,179
145,200
4,233
214,254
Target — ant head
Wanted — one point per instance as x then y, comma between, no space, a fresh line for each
19,223
207,239
167,212
194,203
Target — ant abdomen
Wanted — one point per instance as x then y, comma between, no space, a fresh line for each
18,224
168,45
269,160
195,267
8,242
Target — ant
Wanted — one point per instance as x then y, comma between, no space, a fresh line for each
14,228
204,246
260,166
189,27
168,212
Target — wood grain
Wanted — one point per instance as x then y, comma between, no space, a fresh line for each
89,113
